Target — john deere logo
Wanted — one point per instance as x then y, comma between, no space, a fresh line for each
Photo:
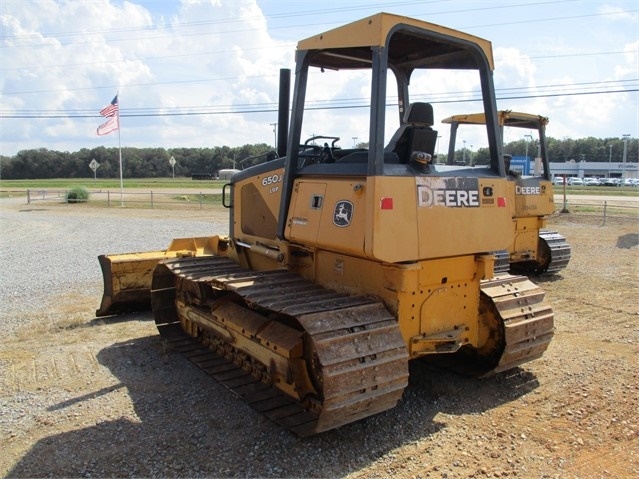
343,213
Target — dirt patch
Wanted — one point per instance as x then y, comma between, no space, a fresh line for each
82,396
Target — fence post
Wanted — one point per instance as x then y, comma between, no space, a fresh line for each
151,199
201,200
605,208
108,199
66,196
28,196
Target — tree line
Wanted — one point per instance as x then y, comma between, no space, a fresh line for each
155,162
136,162
565,150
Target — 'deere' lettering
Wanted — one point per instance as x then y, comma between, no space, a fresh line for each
448,198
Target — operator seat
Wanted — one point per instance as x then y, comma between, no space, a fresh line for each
415,134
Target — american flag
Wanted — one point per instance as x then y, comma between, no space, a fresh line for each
112,124
111,109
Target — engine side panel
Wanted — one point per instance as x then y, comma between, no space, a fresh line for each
256,202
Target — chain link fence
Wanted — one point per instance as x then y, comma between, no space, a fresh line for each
601,207
130,199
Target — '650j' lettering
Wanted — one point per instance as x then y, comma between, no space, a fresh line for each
269,180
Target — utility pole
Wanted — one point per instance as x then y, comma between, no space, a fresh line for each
625,150
274,125
609,161
527,136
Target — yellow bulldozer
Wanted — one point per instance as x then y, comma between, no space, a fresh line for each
534,249
343,264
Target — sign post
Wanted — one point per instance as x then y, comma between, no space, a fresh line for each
172,163
94,165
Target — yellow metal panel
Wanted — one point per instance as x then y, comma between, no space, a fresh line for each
436,217
363,276
330,214
373,31
526,238
533,198
393,234
256,205
426,297
459,216
447,299
305,217
505,117
343,217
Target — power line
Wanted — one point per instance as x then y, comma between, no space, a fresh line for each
220,21
5,93
307,13
270,109
208,80
290,45
318,24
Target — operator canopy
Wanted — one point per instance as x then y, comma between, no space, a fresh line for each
411,44
506,117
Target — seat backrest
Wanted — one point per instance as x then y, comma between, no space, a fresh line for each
415,134
419,114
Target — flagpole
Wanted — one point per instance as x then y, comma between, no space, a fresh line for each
120,151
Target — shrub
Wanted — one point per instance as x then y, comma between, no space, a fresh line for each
78,194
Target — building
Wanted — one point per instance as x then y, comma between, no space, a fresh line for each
581,169
600,169
227,173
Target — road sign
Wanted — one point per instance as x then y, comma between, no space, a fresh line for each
94,165
172,163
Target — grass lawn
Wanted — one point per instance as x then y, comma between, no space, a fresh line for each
111,183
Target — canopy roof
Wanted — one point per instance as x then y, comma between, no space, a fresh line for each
506,118
411,44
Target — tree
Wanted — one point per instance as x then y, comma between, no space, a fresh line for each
154,162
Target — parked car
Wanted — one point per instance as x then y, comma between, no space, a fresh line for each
575,181
558,180
630,182
610,182
592,181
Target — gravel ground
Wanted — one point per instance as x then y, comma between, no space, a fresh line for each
88,397
48,250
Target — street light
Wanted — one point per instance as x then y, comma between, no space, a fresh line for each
610,161
354,141
464,152
527,136
625,150
274,125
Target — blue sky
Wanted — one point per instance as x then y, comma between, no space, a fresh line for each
62,61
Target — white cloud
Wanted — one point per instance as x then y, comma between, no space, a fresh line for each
221,55
617,13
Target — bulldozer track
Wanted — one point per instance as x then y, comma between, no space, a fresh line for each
523,325
558,249
528,320
360,354
553,256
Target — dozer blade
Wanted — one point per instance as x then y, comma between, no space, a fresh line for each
127,277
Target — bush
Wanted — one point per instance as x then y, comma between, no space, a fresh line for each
78,195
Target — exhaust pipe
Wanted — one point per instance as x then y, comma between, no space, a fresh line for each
283,111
